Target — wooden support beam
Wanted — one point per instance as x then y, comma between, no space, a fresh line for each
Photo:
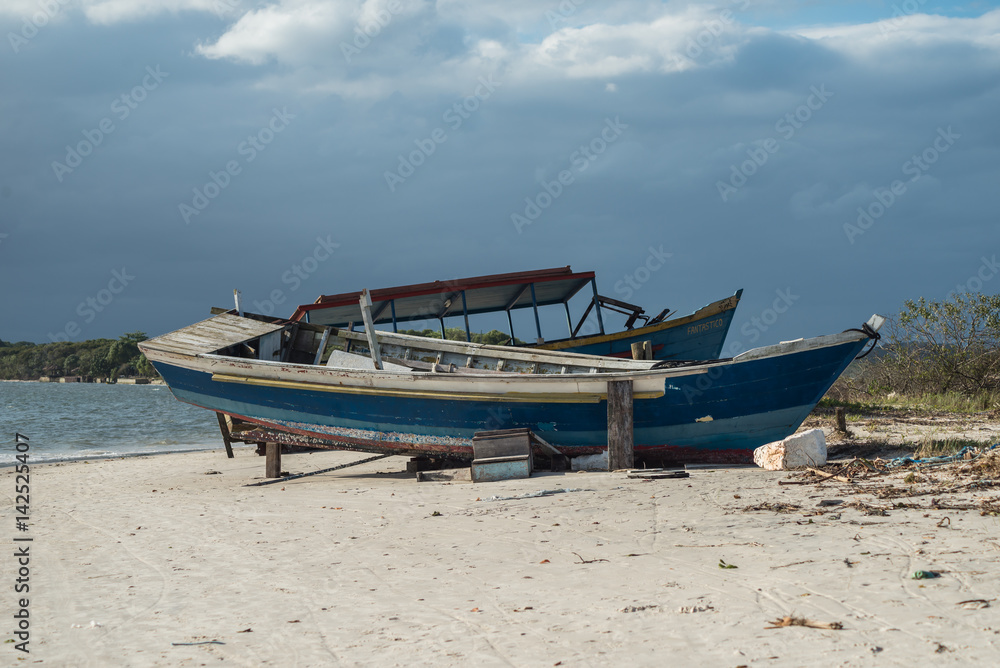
224,428
272,466
286,350
366,314
841,419
332,468
620,436
322,346
642,350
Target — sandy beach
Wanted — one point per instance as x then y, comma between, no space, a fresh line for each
366,566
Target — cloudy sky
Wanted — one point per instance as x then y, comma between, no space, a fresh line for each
831,158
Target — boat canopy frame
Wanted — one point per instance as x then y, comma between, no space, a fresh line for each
482,294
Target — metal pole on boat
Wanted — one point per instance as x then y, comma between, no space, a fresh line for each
366,314
510,324
392,307
534,307
465,312
569,319
597,304
236,297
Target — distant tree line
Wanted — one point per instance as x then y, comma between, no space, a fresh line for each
97,358
935,348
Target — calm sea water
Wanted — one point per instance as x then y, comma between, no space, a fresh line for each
89,420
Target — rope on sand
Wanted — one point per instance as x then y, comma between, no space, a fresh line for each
936,461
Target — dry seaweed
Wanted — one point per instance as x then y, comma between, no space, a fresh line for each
778,507
789,620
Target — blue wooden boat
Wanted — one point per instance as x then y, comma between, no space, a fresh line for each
697,336
381,392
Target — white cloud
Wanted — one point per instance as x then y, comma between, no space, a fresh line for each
107,12
917,30
445,44
441,44
39,12
603,50
116,11
438,45
287,32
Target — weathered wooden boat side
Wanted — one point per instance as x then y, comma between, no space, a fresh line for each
433,395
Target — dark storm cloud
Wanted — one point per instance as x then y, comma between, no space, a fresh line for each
318,187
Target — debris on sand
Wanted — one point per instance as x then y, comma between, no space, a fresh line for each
801,621
638,608
985,466
970,470
975,603
773,507
925,575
